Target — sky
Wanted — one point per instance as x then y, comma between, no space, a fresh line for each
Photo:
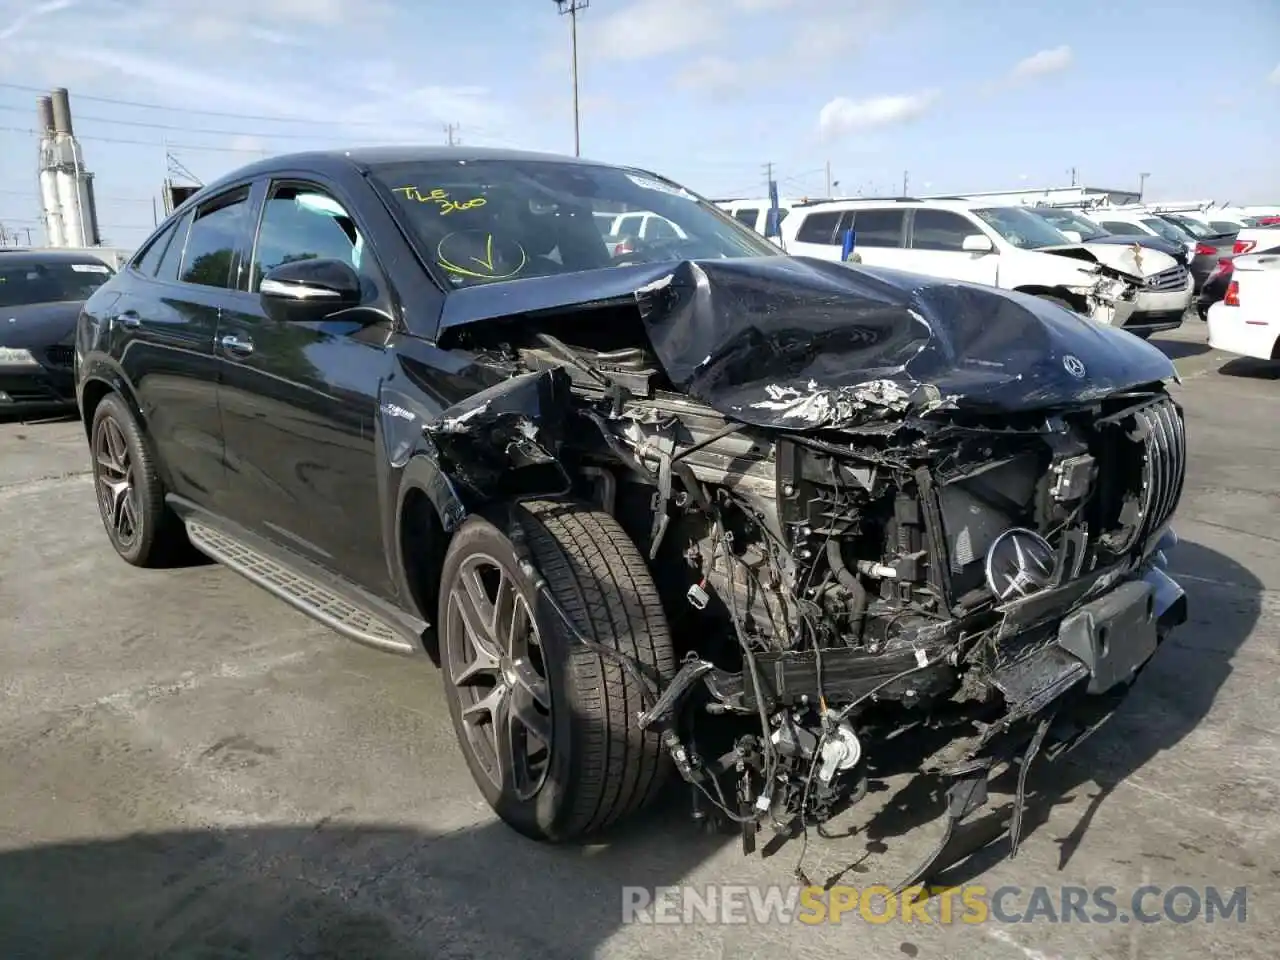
961,95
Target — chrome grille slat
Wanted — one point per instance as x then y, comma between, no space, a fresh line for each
1175,278
1159,433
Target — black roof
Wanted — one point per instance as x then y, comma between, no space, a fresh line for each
363,158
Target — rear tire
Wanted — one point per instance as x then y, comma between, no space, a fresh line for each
142,529
574,760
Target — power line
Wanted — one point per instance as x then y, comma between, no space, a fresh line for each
257,151
207,113
180,129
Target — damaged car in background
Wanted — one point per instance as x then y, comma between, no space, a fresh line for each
689,506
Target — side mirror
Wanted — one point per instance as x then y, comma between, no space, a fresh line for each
309,290
1073,236
977,243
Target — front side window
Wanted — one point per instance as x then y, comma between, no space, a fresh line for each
149,259
51,281
937,230
301,222
1022,228
748,215
216,234
487,221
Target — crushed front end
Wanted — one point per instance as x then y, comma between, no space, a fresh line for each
874,504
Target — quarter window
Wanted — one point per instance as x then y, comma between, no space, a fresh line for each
215,236
938,230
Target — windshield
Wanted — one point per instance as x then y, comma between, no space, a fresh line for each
486,221
1168,230
26,283
1022,228
1066,220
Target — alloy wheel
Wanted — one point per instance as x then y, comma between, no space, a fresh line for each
114,474
498,672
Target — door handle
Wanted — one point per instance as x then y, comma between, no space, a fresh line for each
233,344
130,318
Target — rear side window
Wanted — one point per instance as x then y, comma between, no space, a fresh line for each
147,261
938,230
748,215
216,234
878,228
818,228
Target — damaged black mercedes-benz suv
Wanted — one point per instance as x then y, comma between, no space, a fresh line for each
653,495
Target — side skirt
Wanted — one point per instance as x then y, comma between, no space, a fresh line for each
339,604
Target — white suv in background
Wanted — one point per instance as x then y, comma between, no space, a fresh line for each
1140,290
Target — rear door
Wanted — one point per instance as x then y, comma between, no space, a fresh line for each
299,399
170,309
937,247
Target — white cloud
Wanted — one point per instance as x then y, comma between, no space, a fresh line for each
1043,62
1274,76
842,116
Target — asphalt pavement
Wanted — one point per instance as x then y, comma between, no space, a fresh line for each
190,769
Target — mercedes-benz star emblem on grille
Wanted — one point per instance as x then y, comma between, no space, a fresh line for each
1020,562
1073,366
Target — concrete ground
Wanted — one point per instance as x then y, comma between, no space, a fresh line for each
190,769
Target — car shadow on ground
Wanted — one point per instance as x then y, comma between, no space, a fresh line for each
1168,702
1180,349
1250,369
334,890
38,417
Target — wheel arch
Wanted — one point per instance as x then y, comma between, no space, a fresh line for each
95,388
427,513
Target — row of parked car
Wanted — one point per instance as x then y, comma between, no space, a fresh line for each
1131,266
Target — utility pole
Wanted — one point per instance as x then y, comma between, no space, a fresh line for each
449,128
768,177
906,179
571,7
1142,183
1072,171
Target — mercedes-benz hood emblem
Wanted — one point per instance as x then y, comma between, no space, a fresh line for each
1073,366
1020,562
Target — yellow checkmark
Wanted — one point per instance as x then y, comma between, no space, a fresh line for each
487,263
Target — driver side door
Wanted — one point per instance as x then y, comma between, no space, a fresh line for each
299,399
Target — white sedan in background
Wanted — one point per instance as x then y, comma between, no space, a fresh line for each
1247,320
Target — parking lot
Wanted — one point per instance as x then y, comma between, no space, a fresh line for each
189,768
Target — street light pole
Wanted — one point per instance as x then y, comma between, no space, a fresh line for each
1142,182
571,7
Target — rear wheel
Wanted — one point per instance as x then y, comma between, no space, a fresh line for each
130,495
546,725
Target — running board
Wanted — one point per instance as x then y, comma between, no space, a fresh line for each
303,593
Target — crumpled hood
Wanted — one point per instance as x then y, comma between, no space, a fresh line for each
37,325
798,343
1128,258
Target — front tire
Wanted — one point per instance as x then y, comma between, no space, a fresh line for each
546,725
142,529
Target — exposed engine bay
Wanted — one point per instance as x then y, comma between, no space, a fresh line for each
845,563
